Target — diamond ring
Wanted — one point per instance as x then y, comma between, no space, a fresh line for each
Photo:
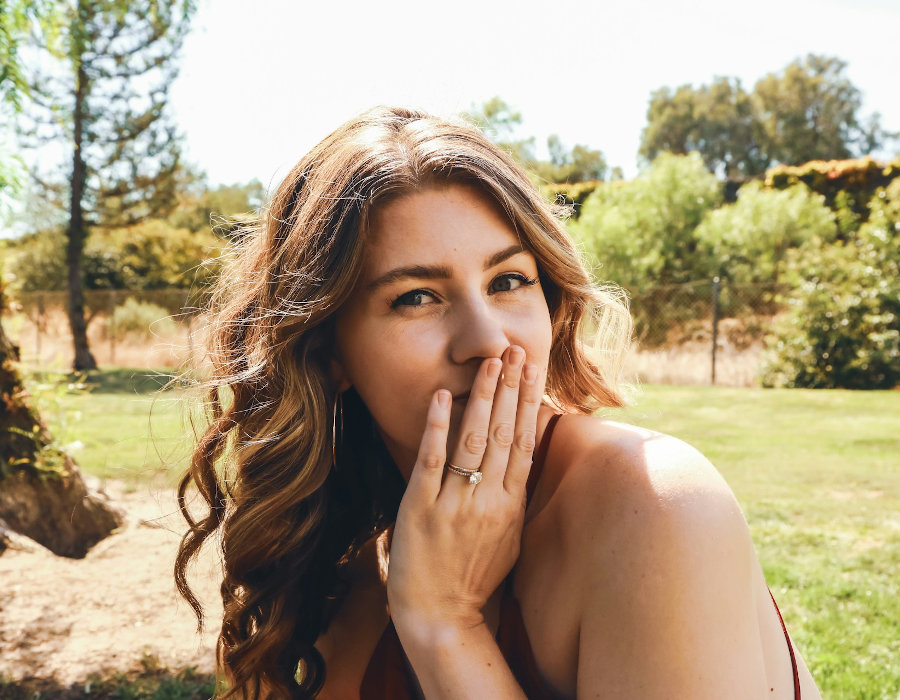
473,475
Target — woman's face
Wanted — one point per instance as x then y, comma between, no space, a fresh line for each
445,284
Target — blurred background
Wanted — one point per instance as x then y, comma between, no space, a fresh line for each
734,167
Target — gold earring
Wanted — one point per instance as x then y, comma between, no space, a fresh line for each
338,408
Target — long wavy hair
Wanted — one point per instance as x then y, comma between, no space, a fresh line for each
289,520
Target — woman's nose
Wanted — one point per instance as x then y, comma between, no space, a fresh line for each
478,333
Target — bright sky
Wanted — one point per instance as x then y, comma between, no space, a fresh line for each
263,81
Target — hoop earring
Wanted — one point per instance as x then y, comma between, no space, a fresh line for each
337,409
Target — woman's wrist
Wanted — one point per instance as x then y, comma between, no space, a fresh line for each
433,631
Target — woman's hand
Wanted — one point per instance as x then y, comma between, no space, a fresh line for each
454,542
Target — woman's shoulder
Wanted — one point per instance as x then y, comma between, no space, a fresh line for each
633,489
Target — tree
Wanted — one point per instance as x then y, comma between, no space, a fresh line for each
718,121
499,121
222,209
42,494
105,96
808,111
811,111
580,164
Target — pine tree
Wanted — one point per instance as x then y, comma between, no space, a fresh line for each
99,85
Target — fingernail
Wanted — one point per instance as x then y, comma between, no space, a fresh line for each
443,398
493,368
516,356
531,373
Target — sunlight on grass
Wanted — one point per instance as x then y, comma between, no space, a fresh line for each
818,476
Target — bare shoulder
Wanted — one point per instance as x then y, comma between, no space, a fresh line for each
627,496
597,458
658,550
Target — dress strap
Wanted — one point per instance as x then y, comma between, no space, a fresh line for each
537,465
790,647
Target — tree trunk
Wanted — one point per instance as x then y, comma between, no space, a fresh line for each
76,234
42,494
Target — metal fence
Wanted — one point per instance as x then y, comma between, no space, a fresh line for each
158,333
707,331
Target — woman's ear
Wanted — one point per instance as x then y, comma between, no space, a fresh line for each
339,376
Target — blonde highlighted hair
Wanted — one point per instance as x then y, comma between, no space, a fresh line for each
289,519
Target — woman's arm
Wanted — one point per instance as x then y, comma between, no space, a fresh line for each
455,541
670,597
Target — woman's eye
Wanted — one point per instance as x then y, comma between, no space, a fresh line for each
511,282
417,297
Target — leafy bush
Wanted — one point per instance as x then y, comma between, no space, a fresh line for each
139,319
641,232
37,262
573,195
843,327
746,242
857,178
151,255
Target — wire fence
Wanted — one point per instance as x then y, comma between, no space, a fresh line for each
702,332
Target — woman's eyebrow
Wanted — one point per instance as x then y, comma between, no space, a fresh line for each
502,255
437,271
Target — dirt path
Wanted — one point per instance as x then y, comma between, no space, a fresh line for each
64,619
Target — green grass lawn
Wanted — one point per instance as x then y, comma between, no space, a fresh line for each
816,472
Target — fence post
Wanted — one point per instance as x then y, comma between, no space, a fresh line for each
111,325
715,327
38,324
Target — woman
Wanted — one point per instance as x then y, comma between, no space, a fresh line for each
388,350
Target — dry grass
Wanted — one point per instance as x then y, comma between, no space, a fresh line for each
685,361
49,346
691,363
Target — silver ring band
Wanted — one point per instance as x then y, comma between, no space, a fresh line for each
473,475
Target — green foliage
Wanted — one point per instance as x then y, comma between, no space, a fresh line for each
847,185
150,681
37,262
811,111
747,241
565,166
100,86
222,209
47,455
718,121
843,327
139,319
151,255
499,121
808,111
572,195
642,232
17,19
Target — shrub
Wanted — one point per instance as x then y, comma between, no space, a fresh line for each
854,180
139,320
843,327
151,255
747,241
572,195
641,232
